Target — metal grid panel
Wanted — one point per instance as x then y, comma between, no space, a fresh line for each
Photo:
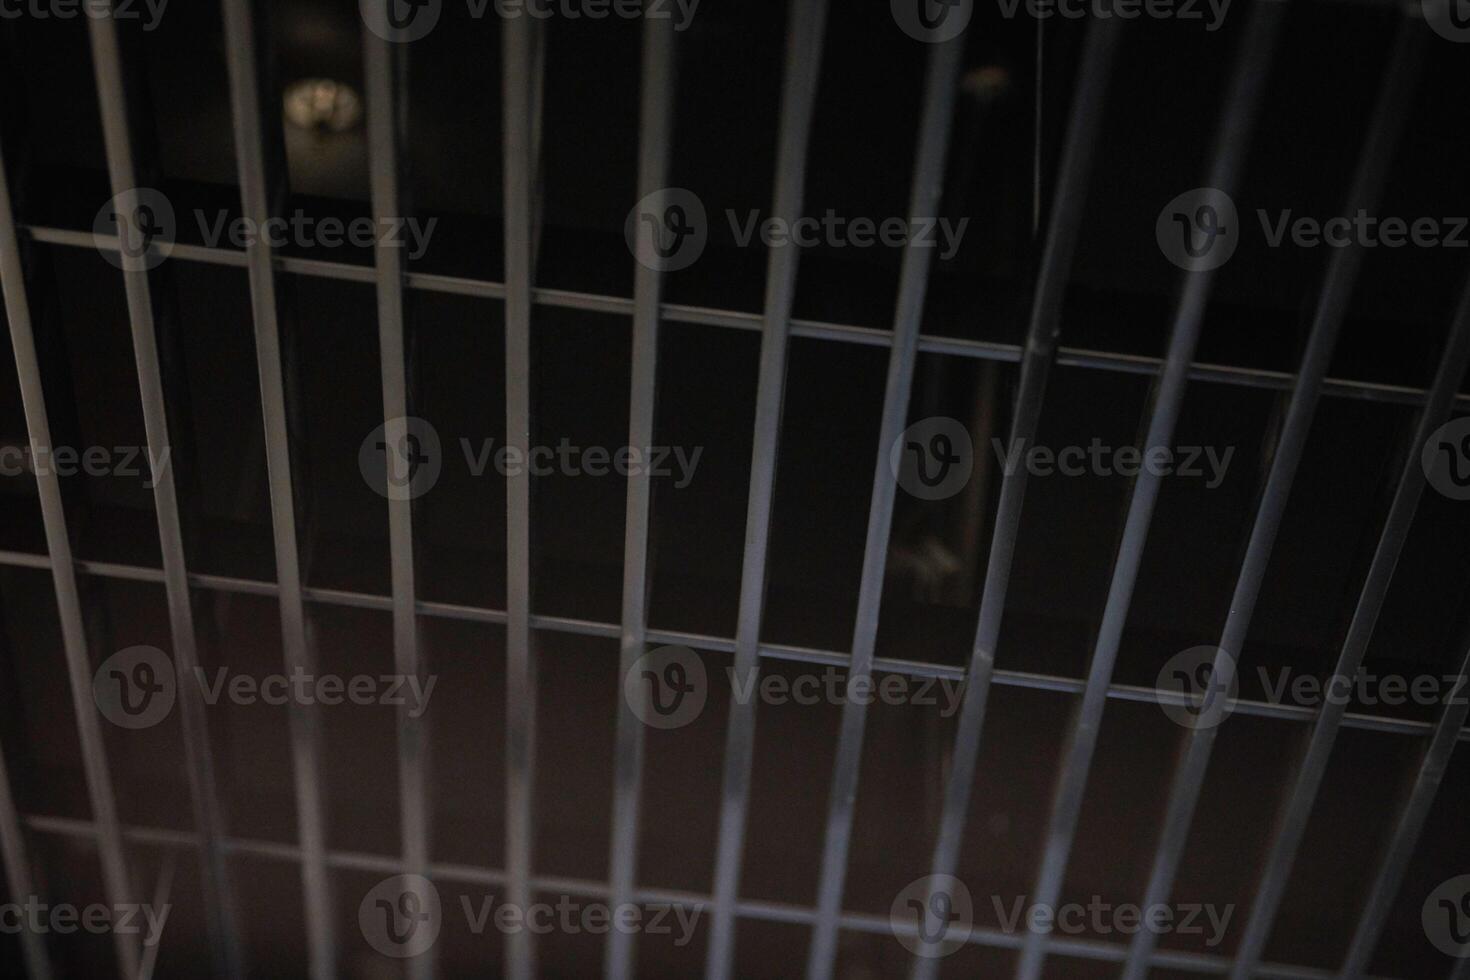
522,104
1331,309
1042,335
1232,141
1311,768
113,94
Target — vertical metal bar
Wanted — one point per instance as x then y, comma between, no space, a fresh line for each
929,159
247,86
112,97
1406,832
1296,807
1389,115
18,878
1232,142
798,99
1063,225
383,63
522,67
655,120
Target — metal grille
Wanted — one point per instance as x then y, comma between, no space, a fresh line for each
523,62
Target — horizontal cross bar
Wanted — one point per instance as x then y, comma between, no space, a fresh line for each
733,319
718,644
1089,949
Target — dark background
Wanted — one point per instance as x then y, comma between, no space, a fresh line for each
1156,142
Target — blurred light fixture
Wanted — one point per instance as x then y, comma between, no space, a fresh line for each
321,105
